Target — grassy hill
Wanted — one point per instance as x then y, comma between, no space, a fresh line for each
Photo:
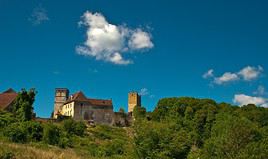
97,142
178,128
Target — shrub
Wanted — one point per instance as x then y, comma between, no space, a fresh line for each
63,142
114,148
7,155
34,130
6,119
16,133
51,134
74,128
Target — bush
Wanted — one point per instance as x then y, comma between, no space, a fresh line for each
64,142
7,155
74,128
51,134
6,119
114,148
34,130
16,133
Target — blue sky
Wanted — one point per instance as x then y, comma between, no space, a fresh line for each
159,48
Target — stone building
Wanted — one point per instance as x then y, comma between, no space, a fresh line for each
61,96
7,99
134,99
79,107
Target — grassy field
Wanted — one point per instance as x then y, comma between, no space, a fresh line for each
99,142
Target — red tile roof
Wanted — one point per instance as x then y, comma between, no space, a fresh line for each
79,96
7,97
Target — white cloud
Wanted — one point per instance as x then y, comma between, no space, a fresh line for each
250,73
208,74
260,91
243,99
144,92
39,15
226,77
140,40
108,42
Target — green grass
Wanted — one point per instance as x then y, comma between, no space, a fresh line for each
98,142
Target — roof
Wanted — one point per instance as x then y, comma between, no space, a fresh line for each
7,97
79,96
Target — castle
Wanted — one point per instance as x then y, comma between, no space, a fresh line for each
134,99
80,107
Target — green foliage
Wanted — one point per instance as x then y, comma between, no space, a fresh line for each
200,128
178,128
111,148
7,155
6,119
51,134
139,112
230,135
74,128
159,140
23,106
16,133
33,129
24,132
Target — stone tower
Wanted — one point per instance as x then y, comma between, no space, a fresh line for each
61,96
134,99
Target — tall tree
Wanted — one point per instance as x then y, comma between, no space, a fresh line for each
23,106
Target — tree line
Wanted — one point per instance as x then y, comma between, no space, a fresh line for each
201,128
178,128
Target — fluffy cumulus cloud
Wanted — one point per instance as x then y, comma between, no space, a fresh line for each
109,42
140,40
248,73
243,99
39,16
226,77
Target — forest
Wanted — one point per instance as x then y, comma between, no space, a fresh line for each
178,128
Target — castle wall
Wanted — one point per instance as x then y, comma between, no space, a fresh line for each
99,114
68,109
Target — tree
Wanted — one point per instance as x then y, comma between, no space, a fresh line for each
139,112
230,136
23,106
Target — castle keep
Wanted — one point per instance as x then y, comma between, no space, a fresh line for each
134,99
79,107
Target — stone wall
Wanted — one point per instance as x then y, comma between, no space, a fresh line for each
99,114
134,99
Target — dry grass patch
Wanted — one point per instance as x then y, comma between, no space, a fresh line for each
23,151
